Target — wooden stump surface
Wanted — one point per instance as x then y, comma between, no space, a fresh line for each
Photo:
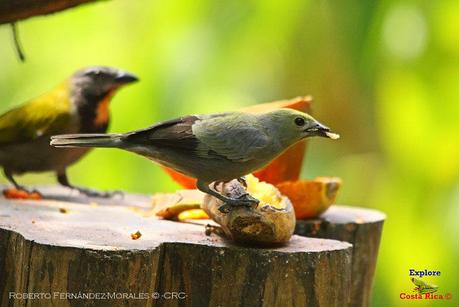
73,245
360,227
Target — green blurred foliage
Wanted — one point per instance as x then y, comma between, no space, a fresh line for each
385,74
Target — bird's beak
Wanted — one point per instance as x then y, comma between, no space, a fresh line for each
320,130
125,77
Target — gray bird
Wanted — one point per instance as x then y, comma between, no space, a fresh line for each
77,105
212,148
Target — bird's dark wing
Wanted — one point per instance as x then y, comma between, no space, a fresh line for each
231,136
175,134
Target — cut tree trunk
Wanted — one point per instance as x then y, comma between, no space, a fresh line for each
79,251
360,227
15,10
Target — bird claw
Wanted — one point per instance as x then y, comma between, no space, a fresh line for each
248,197
94,193
244,200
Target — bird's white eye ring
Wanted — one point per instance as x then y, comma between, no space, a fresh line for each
299,121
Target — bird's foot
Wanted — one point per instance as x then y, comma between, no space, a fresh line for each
244,200
22,193
100,194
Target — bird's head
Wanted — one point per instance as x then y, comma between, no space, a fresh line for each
293,126
91,90
99,81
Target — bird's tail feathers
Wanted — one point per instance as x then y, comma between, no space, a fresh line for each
87,140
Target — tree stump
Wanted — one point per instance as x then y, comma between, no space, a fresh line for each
72,250
360,227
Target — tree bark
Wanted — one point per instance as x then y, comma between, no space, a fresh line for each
360,227
68,246
15,10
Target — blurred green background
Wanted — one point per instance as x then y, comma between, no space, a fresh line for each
384,74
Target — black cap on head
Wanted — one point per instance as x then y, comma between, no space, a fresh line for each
105,74
101,78
98,81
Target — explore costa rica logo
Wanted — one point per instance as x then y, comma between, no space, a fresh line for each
424,290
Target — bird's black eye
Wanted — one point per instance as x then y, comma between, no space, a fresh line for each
299,121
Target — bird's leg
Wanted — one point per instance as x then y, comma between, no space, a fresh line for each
63,180
243,200
10,178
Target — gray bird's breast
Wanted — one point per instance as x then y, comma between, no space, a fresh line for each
207,169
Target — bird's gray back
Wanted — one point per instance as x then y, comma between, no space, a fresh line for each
236,136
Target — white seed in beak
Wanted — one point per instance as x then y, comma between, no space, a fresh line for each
333,136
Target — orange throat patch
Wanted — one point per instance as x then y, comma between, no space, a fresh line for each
103,113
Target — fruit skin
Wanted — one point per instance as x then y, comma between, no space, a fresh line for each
13,193
192,214
136,235
310,198
270,223
184,181
174,211
169,206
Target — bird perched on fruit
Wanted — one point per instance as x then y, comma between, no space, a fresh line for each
212,148
78,105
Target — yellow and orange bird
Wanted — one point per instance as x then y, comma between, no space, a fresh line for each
78,105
